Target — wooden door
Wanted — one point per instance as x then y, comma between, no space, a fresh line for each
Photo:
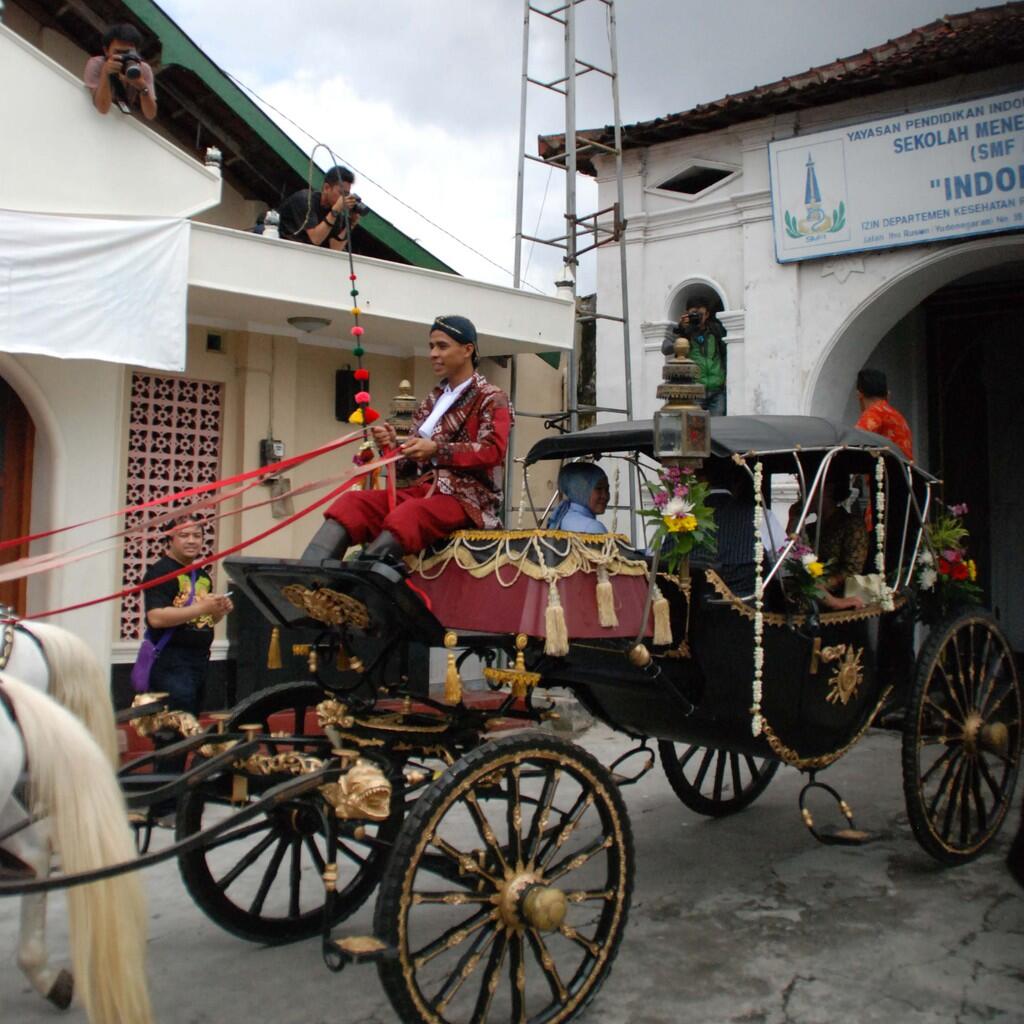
17,438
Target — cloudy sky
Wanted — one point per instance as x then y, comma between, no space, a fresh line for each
422,97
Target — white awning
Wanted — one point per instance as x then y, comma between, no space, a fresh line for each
113,289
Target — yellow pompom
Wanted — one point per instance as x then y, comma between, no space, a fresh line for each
356,311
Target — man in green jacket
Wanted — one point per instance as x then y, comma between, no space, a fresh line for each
707,349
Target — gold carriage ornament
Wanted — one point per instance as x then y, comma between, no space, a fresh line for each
517,677
682,432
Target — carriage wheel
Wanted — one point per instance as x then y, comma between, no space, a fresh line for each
508,890
962,743
712,781
262,880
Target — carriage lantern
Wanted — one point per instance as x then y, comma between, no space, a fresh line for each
682,434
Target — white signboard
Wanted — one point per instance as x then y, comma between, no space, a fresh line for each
948,172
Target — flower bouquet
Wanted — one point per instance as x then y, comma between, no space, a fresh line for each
946,578
685,521
803,575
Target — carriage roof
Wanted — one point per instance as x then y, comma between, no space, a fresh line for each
730,435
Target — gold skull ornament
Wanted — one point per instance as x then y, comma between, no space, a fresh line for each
362,792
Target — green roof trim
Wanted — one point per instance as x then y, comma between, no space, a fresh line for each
179,49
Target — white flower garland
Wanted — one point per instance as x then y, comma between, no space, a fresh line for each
886,591
757,722
522,499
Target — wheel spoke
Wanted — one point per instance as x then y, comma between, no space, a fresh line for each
246,861
243,833
581,940
688,756
951,688
703,770
491,977
352,855
295,877
547,965
453,899
467,864
997,790
953,800
568,826
441,865
468,963
514,816
980,810
737,783
950,752
719,776
269,875
992,676
575,861
539,824
944,783
453,936
314,852
483,827
517,979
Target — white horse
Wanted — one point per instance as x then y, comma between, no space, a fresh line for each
53,660
74,793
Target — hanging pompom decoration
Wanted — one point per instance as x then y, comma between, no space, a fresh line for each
361,374
362,398
361,416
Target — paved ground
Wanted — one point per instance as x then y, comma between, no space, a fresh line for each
740,921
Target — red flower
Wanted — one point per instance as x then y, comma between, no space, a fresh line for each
960,571
945,567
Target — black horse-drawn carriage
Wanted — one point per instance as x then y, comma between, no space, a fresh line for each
504,857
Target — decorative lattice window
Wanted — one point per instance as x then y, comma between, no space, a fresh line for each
174,442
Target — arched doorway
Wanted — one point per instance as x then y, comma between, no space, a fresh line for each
946,333
17,445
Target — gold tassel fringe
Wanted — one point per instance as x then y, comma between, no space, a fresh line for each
452,682
662,620
556,642
605,600
274,650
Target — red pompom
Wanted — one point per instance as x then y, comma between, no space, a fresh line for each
362,398
357,331
361,374
351,277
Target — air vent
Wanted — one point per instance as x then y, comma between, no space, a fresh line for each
695,179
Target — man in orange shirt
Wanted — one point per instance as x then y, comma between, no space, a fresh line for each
877,415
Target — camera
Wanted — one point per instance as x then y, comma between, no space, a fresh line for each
690,320
360,208
130,62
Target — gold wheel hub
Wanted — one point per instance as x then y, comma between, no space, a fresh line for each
972,728
995,738
525,901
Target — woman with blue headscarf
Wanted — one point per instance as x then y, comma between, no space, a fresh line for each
584,489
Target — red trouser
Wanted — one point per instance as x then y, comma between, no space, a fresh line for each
417,521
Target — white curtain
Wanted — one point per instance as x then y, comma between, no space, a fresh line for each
113,289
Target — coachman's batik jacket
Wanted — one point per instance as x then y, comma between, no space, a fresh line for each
472,440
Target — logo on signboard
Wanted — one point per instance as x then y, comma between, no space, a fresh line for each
818,221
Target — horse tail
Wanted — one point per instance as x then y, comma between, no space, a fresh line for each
72,782
78,682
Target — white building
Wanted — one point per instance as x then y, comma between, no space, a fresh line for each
84,437
942,319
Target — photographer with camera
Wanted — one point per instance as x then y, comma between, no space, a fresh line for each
702,328
121,77
319,218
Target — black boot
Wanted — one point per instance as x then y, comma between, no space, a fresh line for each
330,541
385,546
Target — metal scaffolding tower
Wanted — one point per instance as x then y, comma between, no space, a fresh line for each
589,231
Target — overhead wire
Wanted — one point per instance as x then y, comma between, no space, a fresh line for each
270,106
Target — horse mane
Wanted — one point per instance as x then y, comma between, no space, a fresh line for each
71,780
78,682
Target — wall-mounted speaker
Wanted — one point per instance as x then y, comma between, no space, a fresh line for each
344,394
